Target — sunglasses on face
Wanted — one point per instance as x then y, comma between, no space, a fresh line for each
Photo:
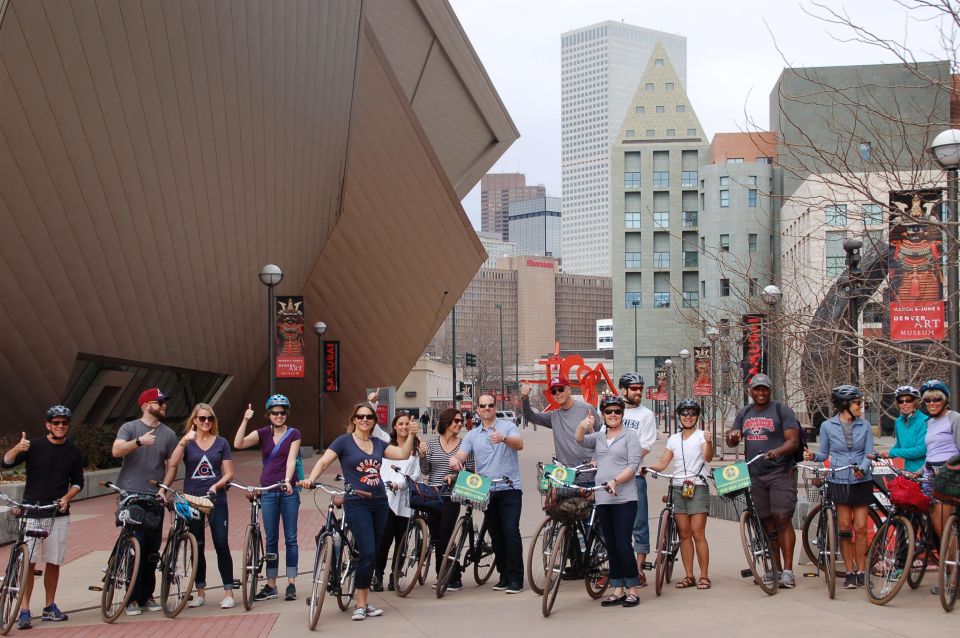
60,424
613,411
278,413
933,400
458,420
484,406
364,417
211,419
635,388
160,402
906,400
687,413
556,390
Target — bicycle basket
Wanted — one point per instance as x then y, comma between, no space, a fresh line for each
39,527
814,487
568,504
946,481
423,496
471,489
200,503
143,513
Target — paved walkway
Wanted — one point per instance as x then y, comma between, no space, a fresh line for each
733,607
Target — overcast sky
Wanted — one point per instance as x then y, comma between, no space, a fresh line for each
736,50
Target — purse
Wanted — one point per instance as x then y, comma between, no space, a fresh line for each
424,496
946,484
906,493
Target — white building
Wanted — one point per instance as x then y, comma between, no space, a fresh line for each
601,66
604,334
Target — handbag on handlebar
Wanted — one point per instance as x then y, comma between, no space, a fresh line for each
946,484
145,513
424,496
906,493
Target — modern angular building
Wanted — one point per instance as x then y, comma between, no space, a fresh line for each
155,155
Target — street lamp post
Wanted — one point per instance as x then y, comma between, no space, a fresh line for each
771,296
684,355
713,334
271,275
668,364
453,356
636,340
946,150
852,248
503,382
320,328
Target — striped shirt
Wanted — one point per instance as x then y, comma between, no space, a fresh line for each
435,464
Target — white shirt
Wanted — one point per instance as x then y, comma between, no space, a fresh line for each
643,422
687,456
398,501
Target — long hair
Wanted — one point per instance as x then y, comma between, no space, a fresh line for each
393,432
214,430
446,418
351,426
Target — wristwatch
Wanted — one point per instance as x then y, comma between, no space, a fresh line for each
139,444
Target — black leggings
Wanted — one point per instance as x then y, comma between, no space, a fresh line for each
392,535
441,524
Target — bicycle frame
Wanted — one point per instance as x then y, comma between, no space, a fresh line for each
828,533
254,556
12,588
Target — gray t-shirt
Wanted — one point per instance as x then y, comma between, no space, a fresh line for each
564,425
148,462
762,432
613,457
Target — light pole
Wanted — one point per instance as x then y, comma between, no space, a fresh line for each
320,328
684,355
453,356
713,333
771,296
668,364
636,340
946,150
271,275
503,382
852,248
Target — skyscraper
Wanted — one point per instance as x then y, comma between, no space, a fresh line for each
497,190
601,66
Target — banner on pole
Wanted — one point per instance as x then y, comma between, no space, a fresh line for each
754,362
702,373
331,366
290,362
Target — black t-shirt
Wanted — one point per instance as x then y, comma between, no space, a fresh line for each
763,431
51,470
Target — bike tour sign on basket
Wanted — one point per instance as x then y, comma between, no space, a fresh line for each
559,474
472,488
731,478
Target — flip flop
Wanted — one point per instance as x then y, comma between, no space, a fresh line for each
704,583
688,581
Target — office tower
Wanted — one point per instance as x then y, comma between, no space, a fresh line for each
497,190
535,226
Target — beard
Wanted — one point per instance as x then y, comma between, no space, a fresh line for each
157,412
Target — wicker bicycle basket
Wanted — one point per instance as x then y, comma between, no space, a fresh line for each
568,504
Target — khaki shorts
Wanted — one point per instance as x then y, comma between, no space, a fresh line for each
774,493
53,548
699,503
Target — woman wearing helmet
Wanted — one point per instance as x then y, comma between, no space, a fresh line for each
910,429
846,438
943,442
618,453
690,451
280,449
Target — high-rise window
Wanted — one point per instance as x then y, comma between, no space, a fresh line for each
753,286
691,131
724,181
752,198
681,108
632,298
836,255
724,199
648,86
631,180
724,243
752,242
836,215
865,151
671,132
631,260
661,179
668,86
660,109
872,214
724,287
690,218
688,179
661,300
691,299
661,219
631,220
661,260
640,110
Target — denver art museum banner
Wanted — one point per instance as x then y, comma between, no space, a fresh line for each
290,363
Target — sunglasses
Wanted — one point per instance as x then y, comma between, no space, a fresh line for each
556,390
204,419
687,413
61,424
458,420
635,388
277,413
906,400
933,400
613,411
160,402
364,417
485,405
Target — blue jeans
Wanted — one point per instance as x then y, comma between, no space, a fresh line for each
616,522
503,521
219,518
641,525
367,520
277,505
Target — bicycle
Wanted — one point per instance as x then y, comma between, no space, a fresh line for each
253,552
948,576
134,511
36,526
668,538
178,560
828,534
411,558
335,562
465,534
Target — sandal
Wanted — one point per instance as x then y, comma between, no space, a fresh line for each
703,583
612,601
688,581
631,601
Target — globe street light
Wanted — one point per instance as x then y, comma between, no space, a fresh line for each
946,150
271,275
771,296
320,328
684,355
668,364
713,333
503,386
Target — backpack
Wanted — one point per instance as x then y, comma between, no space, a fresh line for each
798,455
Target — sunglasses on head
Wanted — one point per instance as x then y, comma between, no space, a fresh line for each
933,400
557,390
204,419
278,413
905,400
485,405
613,411
362,417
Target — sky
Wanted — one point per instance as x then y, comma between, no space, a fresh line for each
736,50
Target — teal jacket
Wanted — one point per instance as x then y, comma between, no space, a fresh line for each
911,443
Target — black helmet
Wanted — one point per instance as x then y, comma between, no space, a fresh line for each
609,400
631,378
842,395
61,411
906,391
688,404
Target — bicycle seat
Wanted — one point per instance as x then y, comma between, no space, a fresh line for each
338,501
37,533
664,498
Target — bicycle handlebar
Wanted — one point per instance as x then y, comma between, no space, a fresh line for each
257,489
818,470
675,475
333,491
29,507
888,463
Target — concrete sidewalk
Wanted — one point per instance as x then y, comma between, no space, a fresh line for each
734,606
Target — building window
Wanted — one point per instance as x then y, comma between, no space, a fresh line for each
659,109
632,297
661,300
631,132
658,62
690,218
753,286
752,242
668,86
865,151
734,160
836,255
724,287
752,181
651,132
690,259
631,260
724,199
688,179
691,299
671,132
631,220
724,181
725,243
661,179
691,131
648,86
661,219
681,108
631,180
703,289
836,215
661,260
873,313
640,110
872,214
752,198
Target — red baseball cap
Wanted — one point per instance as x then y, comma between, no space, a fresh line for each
153,394
559,382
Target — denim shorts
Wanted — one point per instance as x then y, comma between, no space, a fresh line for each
699,503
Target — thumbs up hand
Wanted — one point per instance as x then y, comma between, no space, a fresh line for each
249,413
24,443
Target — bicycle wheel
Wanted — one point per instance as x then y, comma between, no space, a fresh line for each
179,573
425,567
664,532
921,552
674,550
122,569
809,535
828,546
451,556
888,555
321,578
758,552
252,551
348,570
948,574
554,572
596,567
483,559
409,557
11,592
539,553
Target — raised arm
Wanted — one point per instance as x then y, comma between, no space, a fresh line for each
529,413
241,439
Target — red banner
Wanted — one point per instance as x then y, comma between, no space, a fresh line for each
661,392
290,361
702,374
753,355
331,366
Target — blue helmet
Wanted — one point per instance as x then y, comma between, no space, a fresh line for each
184,510
935,384
278,399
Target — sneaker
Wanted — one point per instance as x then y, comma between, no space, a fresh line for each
227,603
767,581
266,593
455,586
787,579
23,620
133,609
501,585
152,605
861,579
53,614
850,581
198,601
643,580
360,613
373,612
376,584
291,593
515,589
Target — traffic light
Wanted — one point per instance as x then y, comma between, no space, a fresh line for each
470,359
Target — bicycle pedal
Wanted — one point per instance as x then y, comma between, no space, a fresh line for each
811,574
746,573
647,566
95,588
271,556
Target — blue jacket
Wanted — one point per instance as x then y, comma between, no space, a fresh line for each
834,445
911,443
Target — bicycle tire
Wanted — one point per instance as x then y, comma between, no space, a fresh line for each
829,561
808,533
12,590
758,552
663,540
596,569
122,569
347,570
409,557
889,553
554,573
251,571
425,568
948,575
539,553
321,580
451,555
921,552
483,557
178,575
674,549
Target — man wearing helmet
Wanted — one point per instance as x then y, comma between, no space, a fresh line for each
145,445
54,468
771,429
642,421
563,421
